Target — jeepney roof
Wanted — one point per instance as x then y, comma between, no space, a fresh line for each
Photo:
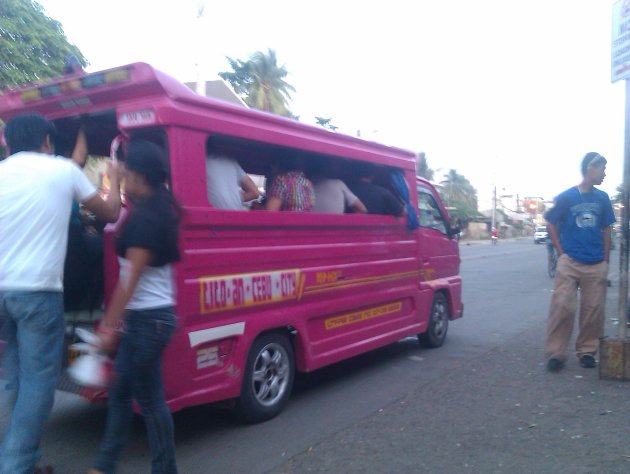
81,93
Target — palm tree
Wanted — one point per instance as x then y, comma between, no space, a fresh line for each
260,82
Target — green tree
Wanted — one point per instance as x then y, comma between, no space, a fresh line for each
459,196
33,46
260,82
422,167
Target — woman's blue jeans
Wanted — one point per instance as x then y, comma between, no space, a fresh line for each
138,376
32,324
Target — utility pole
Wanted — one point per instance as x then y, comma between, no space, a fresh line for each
494,207
625,223
615,353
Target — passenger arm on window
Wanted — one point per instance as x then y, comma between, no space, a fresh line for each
107,210
80,152
358,207
273,204
250,190
274,195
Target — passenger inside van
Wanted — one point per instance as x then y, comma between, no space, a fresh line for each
228,185
332,195
377,199
83,266
290,189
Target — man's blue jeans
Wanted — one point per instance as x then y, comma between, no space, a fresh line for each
138,377
33,328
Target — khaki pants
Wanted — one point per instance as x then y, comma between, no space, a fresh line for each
592,281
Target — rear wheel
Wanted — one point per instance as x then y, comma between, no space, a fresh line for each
438,323
268,378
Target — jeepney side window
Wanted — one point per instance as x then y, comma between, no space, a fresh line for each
430,214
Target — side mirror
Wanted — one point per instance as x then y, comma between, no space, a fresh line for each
454,231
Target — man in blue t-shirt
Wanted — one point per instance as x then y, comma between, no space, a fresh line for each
579,225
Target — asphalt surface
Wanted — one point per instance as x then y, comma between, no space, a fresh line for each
483,403
501,412
511,417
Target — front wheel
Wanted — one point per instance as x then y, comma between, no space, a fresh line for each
438,323
268,378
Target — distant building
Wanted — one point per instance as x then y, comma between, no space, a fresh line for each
218,89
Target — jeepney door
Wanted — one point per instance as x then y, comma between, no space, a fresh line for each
439,254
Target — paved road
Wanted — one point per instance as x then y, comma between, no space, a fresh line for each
481,403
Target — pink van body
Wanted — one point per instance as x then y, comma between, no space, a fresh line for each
334,285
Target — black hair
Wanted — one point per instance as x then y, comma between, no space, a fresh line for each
318,167
592,159
363,169
148,160
64,145
28,132
290,160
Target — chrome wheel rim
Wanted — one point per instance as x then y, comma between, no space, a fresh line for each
271,374
439,318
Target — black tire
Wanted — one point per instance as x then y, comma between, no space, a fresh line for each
268,378
438,323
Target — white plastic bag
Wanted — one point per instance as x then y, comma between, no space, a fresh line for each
91,369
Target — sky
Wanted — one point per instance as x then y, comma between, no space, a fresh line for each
510,94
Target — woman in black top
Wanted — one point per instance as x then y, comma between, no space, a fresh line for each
145,298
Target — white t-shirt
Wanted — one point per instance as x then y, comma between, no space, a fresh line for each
155,288
224,176
36,194
332,196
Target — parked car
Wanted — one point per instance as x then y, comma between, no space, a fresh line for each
540,235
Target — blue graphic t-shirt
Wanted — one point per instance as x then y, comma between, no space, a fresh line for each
580,219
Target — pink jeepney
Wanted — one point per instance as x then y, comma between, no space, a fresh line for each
263,294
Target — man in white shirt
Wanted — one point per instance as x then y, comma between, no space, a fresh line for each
36,194
228,185
334,197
